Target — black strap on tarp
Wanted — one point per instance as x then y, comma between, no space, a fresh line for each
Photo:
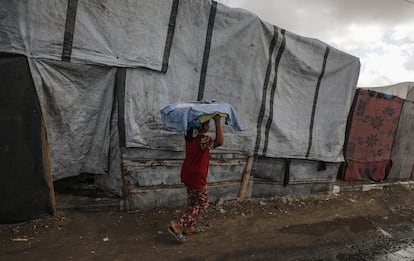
287,173
120,78
69,30
315,101
207,47
273,90
170,35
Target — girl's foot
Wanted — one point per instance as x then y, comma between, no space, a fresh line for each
193,230
175,230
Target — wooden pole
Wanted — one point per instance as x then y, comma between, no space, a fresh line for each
46,165
246,178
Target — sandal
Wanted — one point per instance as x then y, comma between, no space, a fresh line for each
177,235
193,230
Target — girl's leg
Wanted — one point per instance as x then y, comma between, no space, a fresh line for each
178,224
196,202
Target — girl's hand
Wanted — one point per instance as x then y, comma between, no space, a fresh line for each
216,118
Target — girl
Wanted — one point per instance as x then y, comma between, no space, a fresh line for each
194,176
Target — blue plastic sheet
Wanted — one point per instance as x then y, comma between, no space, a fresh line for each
186,114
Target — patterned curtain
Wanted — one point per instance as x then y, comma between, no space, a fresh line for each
370,135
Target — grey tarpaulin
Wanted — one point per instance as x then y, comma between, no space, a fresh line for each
292,93
402,155
77,103
124,33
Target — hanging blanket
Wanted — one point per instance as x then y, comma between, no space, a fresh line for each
371,135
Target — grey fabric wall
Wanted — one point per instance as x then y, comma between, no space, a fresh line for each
402,155
292,93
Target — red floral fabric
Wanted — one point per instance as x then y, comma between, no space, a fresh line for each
370,135
197,201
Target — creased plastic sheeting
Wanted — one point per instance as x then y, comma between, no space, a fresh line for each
250,63
402,155
147,91
76,101
241,51
288,94
125,33
33,28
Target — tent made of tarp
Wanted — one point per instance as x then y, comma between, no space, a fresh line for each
402,155
102,71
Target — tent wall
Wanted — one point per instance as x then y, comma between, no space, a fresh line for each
77,102
153,177
403,149
292,93
25,189
113,182
103,70
370,136
410,94
124,33
282,177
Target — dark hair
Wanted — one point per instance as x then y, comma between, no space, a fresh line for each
189,136
193,131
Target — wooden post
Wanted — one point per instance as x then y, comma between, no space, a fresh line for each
46,165
246,178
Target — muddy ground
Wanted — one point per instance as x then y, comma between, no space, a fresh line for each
335,227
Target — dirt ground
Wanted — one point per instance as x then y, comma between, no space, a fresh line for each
259,229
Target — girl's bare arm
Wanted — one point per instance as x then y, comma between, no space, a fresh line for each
219,131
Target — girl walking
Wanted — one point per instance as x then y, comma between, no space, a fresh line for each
194,176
